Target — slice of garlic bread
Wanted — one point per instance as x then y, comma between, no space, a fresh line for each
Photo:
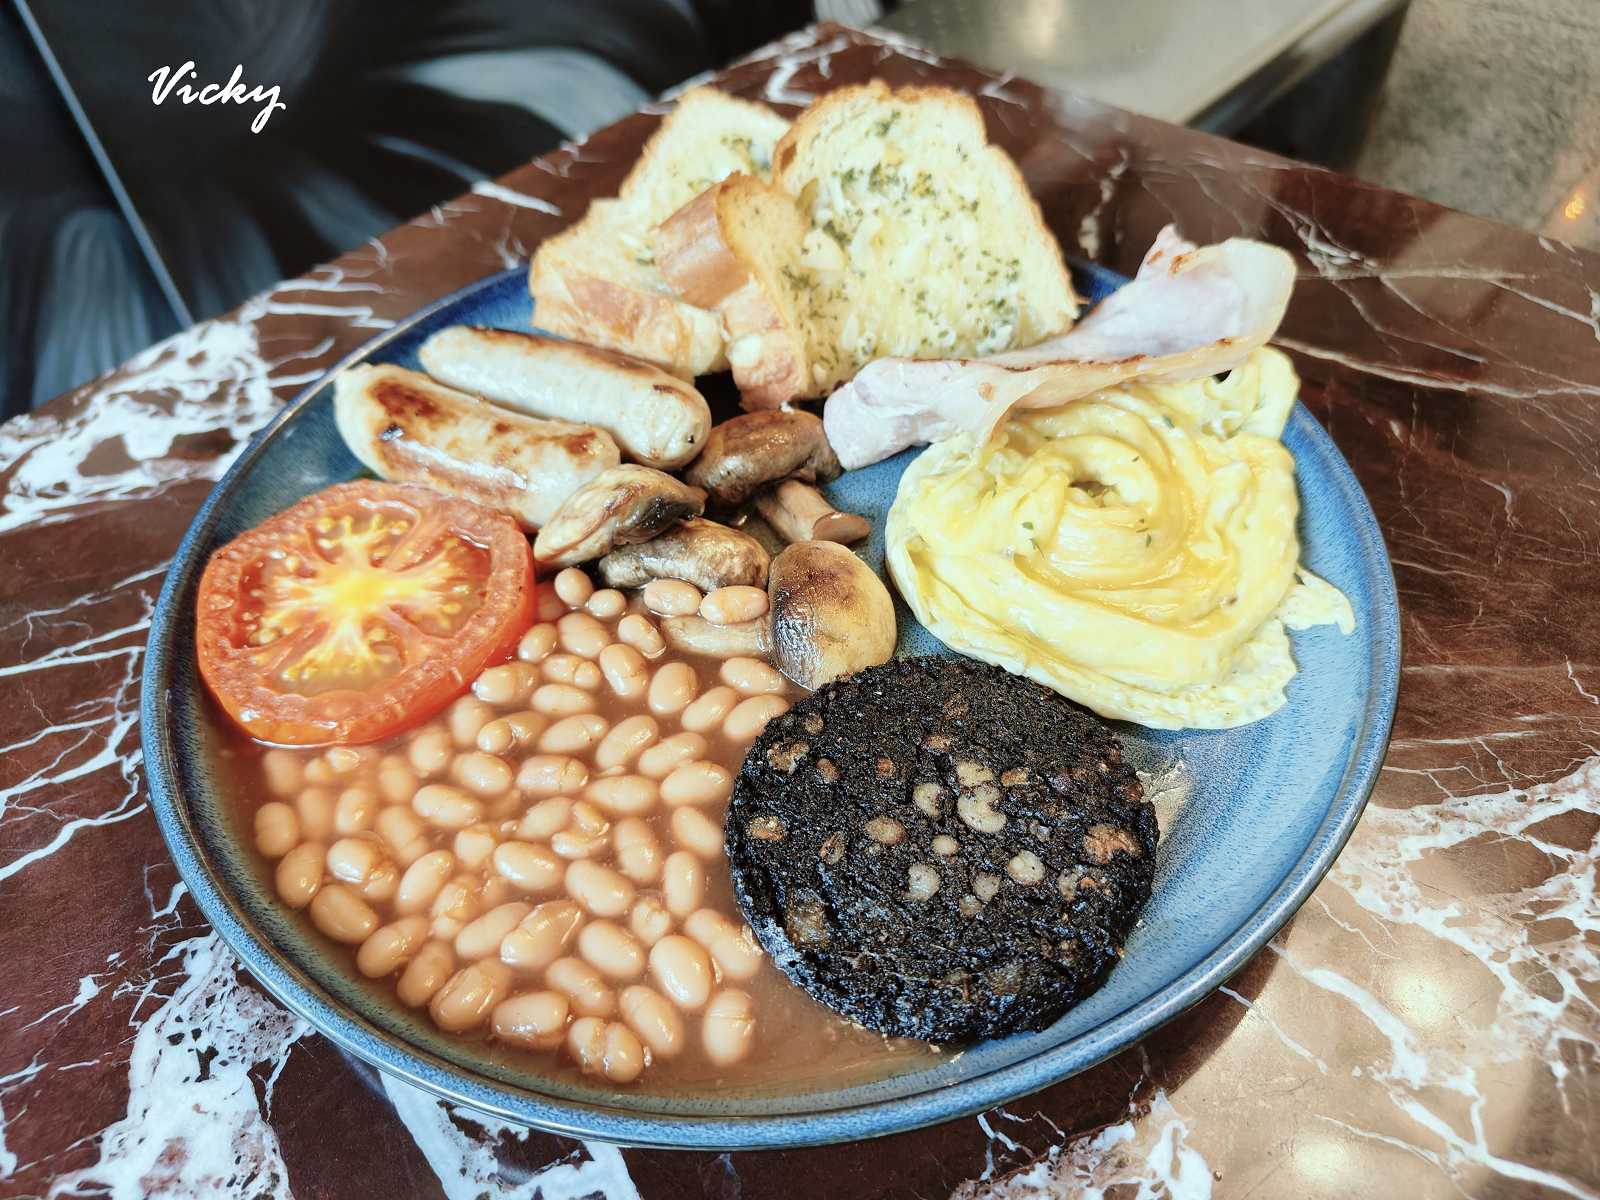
917,239
598,283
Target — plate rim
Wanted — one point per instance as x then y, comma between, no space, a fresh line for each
394,1056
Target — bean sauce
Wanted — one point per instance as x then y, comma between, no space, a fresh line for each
541,865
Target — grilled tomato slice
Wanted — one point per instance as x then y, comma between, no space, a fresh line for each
362,610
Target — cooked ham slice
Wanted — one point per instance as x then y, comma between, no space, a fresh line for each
1189,311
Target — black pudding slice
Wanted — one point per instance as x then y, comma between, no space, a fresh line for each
938,849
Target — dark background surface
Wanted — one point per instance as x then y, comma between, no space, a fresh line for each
390,108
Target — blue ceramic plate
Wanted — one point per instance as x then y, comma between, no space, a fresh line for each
1268,808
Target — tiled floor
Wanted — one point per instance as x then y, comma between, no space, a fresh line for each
1493,107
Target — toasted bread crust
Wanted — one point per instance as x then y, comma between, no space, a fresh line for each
811,274
692,254
588,285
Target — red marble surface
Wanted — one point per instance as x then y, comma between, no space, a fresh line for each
1426,1026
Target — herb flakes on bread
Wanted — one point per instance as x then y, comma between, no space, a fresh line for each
598,282
891,227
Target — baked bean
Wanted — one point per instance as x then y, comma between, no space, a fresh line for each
637,851
695,831
299,874
562,667
536,643
352,859
575,844
581,634
649,921
405,834
529,867
283,771
547,606
623,1060
482,774
652,1016
474,844
466,716
667,755
542,936
751,676
396,780
606,1048
545,818
583,986
607,604
683,883
574,735
624,670
380,884
611,950
624,795
671,597
314,806
505,685
425,973
589,819
642,634
318,773
586,1043
734,605
627,738
446,807
709,710
682,969
342,914
697,783
277,829
391,946
534,1020
561,700
343,760
355,810
552,775
573,586
733,946
470,995
587,675
430,752
672,687
455,905
496,890
598,888
422,881
729,1027
750,717
511,732
482,936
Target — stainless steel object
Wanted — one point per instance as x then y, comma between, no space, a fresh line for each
1209,63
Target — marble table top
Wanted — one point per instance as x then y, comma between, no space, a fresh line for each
1426,1026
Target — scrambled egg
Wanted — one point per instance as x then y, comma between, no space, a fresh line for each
1134,550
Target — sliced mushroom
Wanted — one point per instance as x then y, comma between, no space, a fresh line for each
619,507
701,552
747,451
831,614
802,514
696,635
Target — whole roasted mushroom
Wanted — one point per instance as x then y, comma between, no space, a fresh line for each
699,551
619,507
747,451
800,513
